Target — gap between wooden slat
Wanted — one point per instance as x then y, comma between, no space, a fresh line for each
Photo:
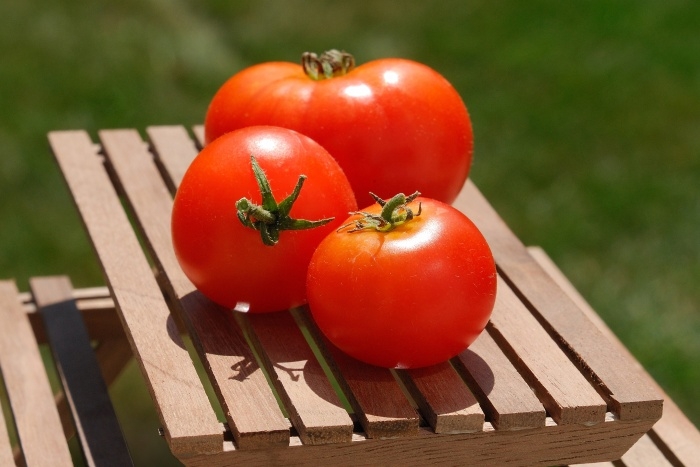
36,419
443,398
198,131
562,389
245,328
373,393
609,371
175,150
301,319
673,434
93,414
215,333
508,401
193,428
313,405
553,445
7,426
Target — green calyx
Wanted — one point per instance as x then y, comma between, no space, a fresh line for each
270,218
329,64
395,211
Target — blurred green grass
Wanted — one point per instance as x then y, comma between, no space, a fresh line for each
586,119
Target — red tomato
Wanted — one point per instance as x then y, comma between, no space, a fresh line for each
392,124
227,260
412,296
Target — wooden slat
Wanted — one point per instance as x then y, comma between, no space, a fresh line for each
252,411
617,378
175,150
112,356
198,131
6,455
562,389
645,453
374,394
79,295
550,445
270,338
314,407
507,399
93,414
674,433
97,309
595,464
189,422
27,385
232,367
443,398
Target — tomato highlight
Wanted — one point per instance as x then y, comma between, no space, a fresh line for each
403,289
392,124
240,246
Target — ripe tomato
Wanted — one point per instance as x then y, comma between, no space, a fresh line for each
392,124
216,236
404,296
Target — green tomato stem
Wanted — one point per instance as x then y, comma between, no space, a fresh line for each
395,211
329,64
270,218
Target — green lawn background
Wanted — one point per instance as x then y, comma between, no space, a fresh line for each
586,119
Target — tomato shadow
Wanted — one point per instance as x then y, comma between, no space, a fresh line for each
300,361
217,334
357,380
476,373
292,358
381,388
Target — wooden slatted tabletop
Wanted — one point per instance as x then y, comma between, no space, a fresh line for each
36,419
543,385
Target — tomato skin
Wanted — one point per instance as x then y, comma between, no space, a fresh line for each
408,298
227,261
392,124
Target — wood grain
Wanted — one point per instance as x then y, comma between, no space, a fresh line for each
198,131
562,389
95,305
374,394
507,400
443,398
550,445
323,425
251,409
645,453
595,464
220,343
175,150
618,379
6,453
27,385
674,433
112,356
93,414
189,422
313,405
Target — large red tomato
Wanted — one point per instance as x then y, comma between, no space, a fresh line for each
392,124
403,287
237,210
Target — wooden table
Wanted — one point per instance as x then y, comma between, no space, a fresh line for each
546,384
